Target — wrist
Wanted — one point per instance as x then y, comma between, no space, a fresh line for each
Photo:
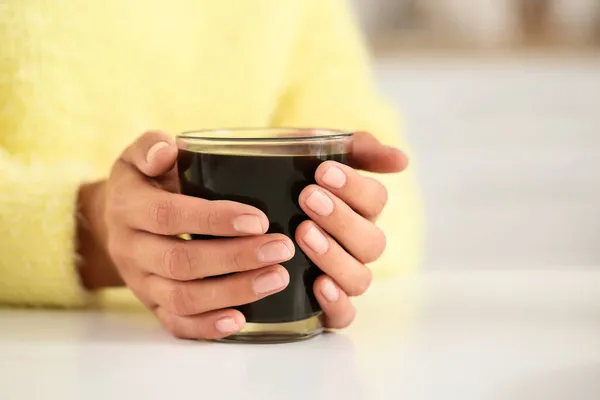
96,268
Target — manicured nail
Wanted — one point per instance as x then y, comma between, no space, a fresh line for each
226,325
329,290
334,177
154,149
316,241
248,224
320,203
270,281
274,252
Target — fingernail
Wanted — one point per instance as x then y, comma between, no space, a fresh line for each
248,224
270,281
154,149
330,291
316,241
274,252
227,325
334,177
320,203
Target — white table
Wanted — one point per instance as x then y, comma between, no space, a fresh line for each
441,335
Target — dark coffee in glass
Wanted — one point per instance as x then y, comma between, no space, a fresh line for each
266,168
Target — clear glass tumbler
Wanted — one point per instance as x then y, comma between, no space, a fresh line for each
266,168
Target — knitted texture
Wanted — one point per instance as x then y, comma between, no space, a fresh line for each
79,80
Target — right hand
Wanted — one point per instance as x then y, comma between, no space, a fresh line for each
179,280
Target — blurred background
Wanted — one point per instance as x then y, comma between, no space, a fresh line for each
501,100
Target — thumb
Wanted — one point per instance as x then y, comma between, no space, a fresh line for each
369,154
153,153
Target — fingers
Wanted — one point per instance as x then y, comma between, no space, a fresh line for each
369,154
338,314
363,239
339,311
186,260
139,203
212,325
175,214
351,275
153,154
350,186
141,206
200,296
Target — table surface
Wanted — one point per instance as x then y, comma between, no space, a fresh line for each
438,335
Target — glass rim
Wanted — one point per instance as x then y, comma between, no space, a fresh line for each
237,134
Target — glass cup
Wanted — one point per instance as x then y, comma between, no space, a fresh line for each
266,168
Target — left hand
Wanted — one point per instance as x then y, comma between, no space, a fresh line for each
341,236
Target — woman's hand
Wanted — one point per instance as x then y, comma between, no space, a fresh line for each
131,220
342,236
142,213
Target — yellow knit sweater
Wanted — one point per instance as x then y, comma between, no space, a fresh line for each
79,80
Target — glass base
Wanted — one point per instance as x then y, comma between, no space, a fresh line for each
285,332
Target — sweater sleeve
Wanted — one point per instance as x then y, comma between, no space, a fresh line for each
37,233
330,85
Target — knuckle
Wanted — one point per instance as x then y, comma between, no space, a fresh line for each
238,261
164,215
362,284
117,169
375,249
347,224
209,219
179,302
176,263
116,250
378,203
170,323
116,203
211,294
137,288
213,221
